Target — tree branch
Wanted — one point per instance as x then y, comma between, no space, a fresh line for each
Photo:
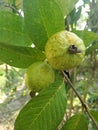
79,97
13,8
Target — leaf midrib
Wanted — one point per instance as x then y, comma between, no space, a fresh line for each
46,105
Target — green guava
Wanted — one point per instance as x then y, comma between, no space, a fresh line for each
64,50
39,75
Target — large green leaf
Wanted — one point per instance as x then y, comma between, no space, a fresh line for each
45,111
76,122
66,5
87,36
90,40
18,56
95,114
12,30
42,18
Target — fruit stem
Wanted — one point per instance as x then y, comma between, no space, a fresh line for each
79,97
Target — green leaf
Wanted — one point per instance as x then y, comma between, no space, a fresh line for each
94,114
1,62
76,122
92,47
42,19
12,30
18,56
74,16
87,36
66,5
90,40
45,111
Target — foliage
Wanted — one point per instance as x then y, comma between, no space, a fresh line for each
24,29
79,120
10,78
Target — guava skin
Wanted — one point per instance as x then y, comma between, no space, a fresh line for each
57,50
39,75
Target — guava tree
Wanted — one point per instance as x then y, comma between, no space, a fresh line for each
27,30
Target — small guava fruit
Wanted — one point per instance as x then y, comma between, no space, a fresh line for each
64,50
39,75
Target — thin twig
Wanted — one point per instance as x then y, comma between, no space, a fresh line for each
13,8
79,97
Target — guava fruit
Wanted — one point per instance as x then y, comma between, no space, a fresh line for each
39,75
64,50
